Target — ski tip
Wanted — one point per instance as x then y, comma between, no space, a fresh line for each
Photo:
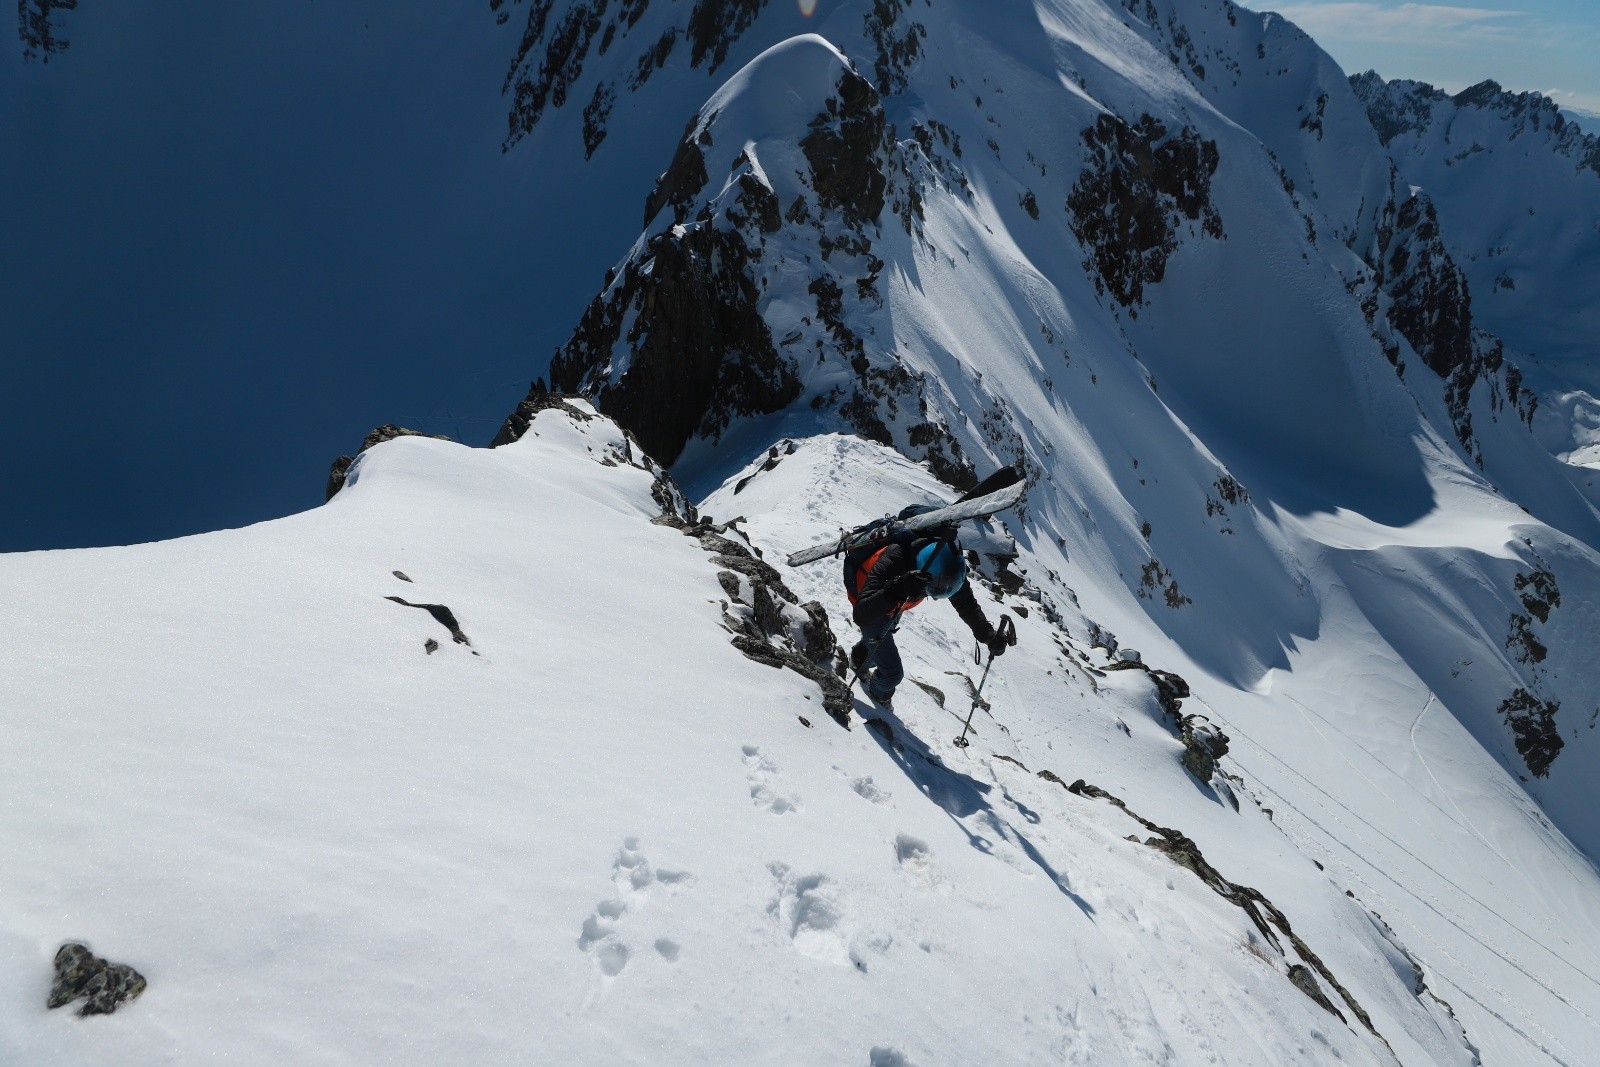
1000,479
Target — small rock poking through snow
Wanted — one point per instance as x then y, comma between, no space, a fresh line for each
101,984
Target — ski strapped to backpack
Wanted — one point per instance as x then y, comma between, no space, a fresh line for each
859,561
1001,490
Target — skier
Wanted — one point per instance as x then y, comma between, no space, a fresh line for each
884,583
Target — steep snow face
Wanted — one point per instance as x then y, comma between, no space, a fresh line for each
1517,191
1127,246
1157,253
1352,748
557,810
1517,186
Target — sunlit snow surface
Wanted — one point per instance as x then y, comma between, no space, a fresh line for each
228,761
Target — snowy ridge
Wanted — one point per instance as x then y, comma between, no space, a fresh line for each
1234,346
1518,189
371,835
517,753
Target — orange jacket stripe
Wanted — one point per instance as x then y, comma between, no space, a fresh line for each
862,573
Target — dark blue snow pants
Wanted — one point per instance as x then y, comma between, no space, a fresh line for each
887,671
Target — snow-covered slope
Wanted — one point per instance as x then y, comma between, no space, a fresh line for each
1517,186
597,832
1158,253
1362,768
1155,252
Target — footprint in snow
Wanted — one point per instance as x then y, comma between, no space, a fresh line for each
763,776
810,910
913,856
634,879
865,787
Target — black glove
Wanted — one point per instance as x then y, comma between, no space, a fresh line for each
995,641
913,585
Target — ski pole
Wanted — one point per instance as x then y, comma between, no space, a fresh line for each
1008,631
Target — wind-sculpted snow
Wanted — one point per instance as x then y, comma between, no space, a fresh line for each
1293,580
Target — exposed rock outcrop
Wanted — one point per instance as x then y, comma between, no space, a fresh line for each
1528,711
101,984
1533,727
442,615
1203,745
36,26
844,148
552,56
766,619
387,432
1418,292
1431,306
1203,742
1267,918
677,347
700,354
1129,206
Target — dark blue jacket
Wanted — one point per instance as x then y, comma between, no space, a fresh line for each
874,604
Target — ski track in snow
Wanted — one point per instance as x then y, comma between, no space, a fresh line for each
1359,859
1460,819
1444,950
1461,816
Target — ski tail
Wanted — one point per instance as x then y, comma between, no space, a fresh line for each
1000,479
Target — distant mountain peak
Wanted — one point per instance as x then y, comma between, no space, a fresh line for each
1403,106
